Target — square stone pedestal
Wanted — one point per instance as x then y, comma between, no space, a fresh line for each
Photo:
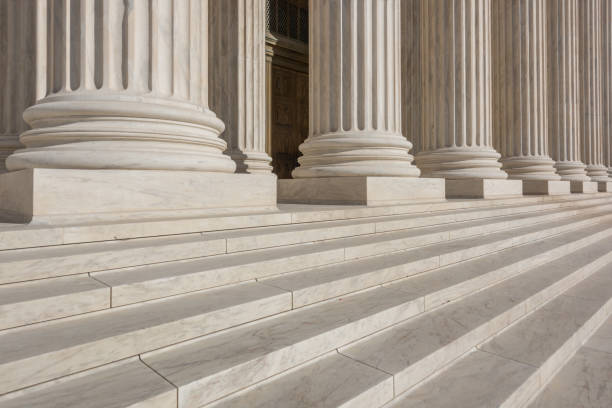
68,195
550,187
483,188
360,190
583,187
604,186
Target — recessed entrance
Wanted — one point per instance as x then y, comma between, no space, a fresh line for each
287,82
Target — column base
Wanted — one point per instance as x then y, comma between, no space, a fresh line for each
546,187
70,195
583,187
604,186
483,188
360,190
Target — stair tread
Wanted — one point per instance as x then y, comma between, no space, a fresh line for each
31,302
252,353
23,292
163,271
316,385
34,353
520,351
398,349
432,256
118,386
585,380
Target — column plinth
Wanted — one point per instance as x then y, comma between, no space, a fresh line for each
456,138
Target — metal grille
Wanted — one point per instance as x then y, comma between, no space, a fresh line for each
288,19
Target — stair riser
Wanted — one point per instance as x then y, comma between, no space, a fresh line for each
387,226
441,297
208,389
176,285
436,361
37,268
39,310
262,241
44,367
48,267
223,383
530,389
342,287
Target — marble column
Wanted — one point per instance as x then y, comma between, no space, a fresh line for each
606,76
590,85
456,85
121,127
520,125
237,79
355,114
563,89
17,72
125,86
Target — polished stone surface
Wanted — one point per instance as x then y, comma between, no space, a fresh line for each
483,188
549,187
360,190
61,195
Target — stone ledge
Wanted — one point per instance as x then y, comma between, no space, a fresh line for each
546,187
483,188
584,187
60,195
360,190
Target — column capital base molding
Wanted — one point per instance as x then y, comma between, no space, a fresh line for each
360,190
483,188
461,163
530,168
597,172
572,170
71,195
546,187
583,187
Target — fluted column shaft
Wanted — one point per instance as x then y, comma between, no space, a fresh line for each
520,128
355,114
606,46
456,138
124,85
589,21
563,89
237,79
17,71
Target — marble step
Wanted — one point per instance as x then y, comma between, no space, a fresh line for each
129,383
14,236
268,237
363,386
586,380
315,285
32,302
415,350
394,350
155,281
509,370
41,352
214,366
39,263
